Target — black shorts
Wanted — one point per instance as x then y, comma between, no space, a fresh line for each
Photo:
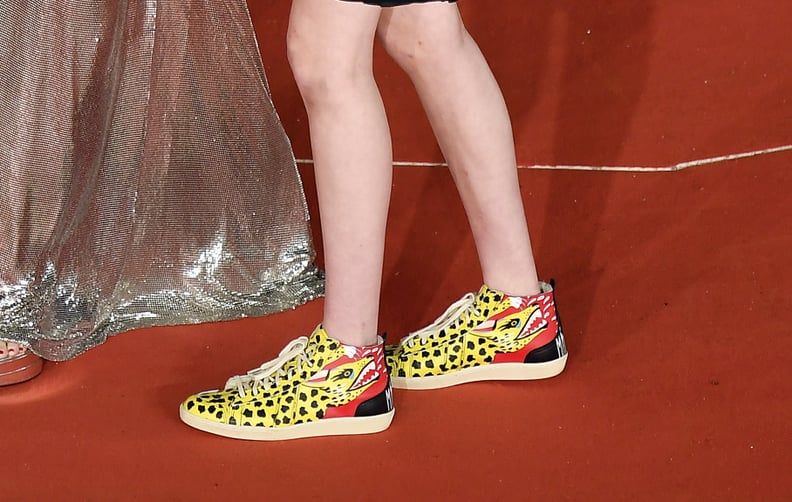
394,3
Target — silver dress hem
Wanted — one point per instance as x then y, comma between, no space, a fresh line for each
145,178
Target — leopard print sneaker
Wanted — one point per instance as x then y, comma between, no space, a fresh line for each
487,336
316,387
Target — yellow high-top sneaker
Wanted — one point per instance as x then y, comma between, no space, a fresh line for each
316,387
486,336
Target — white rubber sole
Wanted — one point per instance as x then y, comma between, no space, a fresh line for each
326,427
500,371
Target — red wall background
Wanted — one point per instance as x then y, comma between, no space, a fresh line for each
623,82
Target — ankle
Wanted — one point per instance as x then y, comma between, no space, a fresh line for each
518,290
353,339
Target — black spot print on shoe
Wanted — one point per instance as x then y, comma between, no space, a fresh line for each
248,413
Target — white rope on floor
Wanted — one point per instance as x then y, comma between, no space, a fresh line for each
627,169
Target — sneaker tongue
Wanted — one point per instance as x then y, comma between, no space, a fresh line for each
319,333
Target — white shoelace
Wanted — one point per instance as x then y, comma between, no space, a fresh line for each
269,374
462,310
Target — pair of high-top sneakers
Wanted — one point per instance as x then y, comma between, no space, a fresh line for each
319,387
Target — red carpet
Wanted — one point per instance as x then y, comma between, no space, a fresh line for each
674,292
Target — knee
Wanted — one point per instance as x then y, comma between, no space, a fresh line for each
418,48
303,60
321,71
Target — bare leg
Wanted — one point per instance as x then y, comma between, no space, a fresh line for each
467,111
330,51
316,387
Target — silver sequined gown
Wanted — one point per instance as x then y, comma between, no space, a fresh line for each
145,178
